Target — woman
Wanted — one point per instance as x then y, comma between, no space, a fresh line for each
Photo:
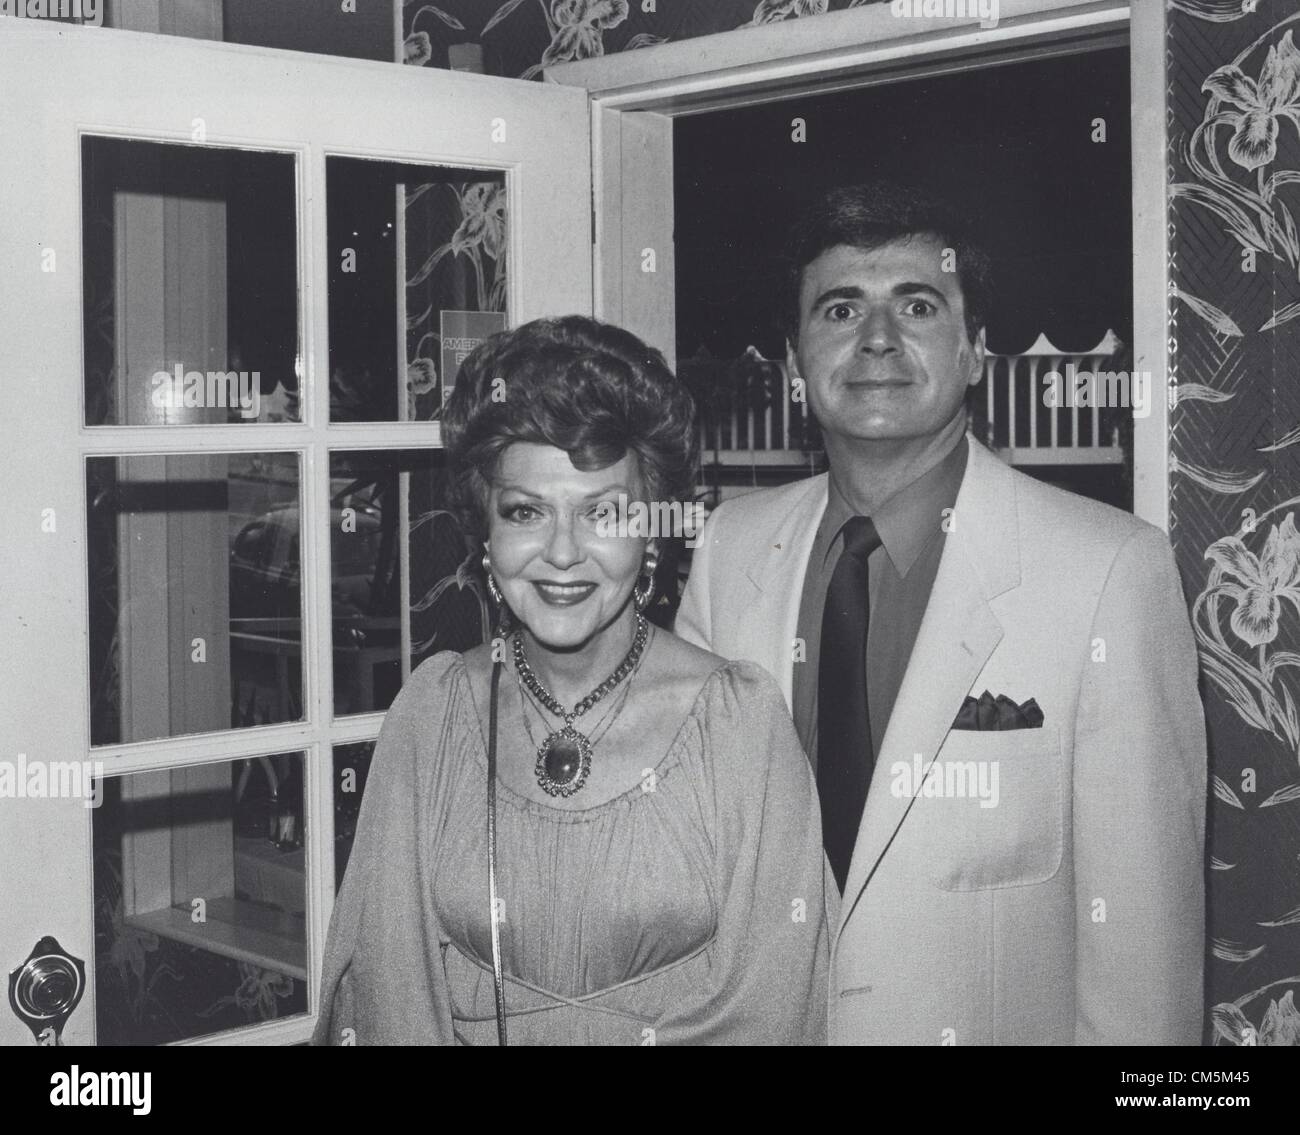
658,861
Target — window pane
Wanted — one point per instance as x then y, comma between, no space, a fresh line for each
200,900
417,279
190,284
405,582
195,617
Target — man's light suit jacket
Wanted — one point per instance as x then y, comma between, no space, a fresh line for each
1069,907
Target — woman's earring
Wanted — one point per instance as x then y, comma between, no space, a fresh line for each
493,590
503,612
641,597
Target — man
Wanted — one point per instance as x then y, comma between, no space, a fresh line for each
995,679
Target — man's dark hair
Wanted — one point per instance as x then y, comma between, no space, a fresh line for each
877,213
590,388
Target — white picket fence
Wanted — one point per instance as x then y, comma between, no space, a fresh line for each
1026,431
1016,423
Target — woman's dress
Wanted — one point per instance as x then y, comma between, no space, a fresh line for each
688,910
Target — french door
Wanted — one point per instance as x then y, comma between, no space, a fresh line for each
238,284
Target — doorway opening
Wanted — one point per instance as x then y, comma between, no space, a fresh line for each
1037,154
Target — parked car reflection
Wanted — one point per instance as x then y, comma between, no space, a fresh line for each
266,573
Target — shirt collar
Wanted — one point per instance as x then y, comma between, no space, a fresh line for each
908,520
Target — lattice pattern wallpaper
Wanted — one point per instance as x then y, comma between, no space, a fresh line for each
1234,154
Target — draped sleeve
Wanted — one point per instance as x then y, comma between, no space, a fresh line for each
770,956
383,979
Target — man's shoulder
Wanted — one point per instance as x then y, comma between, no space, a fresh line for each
779,501
1068,526
1083,513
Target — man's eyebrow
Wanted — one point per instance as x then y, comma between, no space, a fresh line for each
843,292
910,289
852,292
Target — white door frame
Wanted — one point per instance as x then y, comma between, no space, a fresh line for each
635,96
58,83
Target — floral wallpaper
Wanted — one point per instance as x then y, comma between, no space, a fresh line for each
1234,152
460,226
521,37
472,218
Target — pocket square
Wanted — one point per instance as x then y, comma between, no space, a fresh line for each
991,713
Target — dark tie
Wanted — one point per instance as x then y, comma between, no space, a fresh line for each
844,754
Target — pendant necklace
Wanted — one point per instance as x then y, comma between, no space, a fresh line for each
564,757
529,705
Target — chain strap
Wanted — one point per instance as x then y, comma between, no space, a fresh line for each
498,977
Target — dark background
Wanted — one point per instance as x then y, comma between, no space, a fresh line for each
1010,146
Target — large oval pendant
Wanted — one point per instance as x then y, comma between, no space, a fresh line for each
563,762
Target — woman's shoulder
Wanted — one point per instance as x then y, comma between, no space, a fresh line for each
738,736
413,737
428,692
441,670
722,692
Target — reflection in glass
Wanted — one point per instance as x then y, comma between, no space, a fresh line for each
417,270
405,582
351,769
200,900
190,284
195,618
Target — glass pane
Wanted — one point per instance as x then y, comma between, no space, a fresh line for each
417,280
190,284
351,768
195,619
405,582
200,900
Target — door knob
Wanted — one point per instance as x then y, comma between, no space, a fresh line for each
46,988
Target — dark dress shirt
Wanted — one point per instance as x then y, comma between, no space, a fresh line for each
901,572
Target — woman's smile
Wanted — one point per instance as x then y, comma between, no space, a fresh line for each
563,594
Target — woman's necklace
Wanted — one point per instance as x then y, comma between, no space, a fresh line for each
529,707
564,757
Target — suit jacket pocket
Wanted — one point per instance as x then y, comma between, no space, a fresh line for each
995,810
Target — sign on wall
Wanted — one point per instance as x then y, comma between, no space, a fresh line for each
462,331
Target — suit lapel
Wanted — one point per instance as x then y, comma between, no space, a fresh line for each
957,635
768,603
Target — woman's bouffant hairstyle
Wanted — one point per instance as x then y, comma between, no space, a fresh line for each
589,388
